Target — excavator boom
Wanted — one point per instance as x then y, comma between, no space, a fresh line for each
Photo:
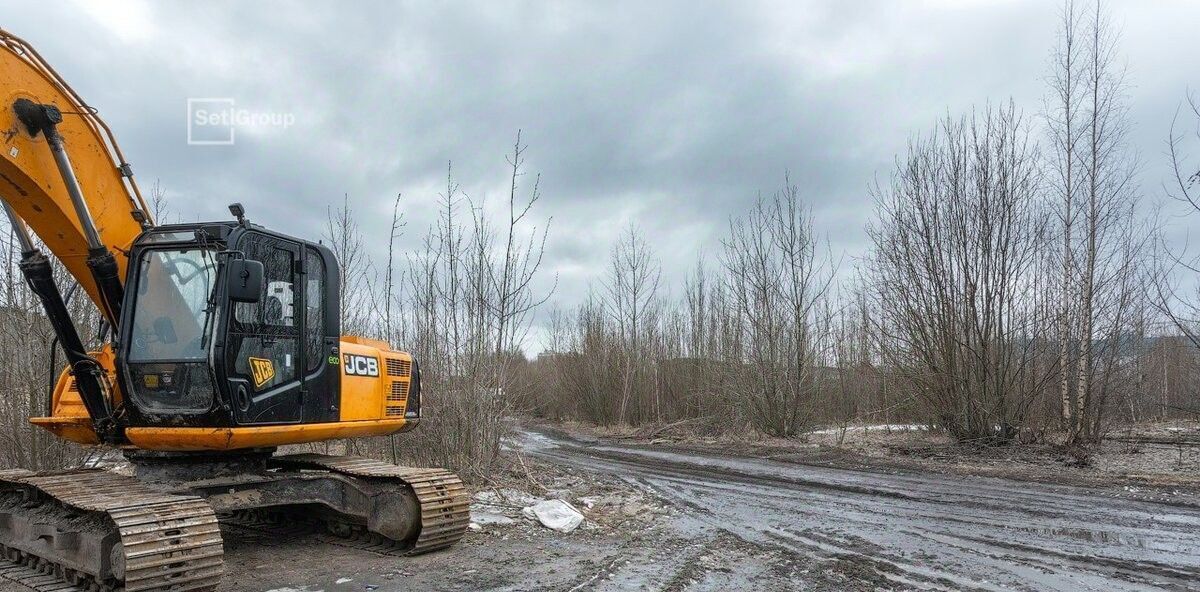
32,183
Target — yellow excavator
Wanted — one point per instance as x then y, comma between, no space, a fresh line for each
221,343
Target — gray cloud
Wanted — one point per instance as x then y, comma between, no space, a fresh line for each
658,114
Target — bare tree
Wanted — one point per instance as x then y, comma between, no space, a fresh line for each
1176,294
471,303
631,302
463,424
390,294
778,283
1109,247
958,233
345,240
1181,305
512,266
1065,130
389,280
158,203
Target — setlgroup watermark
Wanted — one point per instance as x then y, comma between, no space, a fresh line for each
215,121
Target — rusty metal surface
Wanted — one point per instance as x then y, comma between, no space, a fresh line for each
167,542
445,502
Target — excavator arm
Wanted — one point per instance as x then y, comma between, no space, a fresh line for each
33,182
62,176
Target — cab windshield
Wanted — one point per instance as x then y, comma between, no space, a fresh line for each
172,308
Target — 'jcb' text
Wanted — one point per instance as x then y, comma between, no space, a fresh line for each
361,365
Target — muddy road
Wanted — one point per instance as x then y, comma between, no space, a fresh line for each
914,530
662,519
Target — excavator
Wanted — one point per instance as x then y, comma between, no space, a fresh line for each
221,344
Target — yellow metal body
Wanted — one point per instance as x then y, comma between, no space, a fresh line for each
31,184
185,439
29,178
370,406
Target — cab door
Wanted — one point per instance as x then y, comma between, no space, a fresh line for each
264,340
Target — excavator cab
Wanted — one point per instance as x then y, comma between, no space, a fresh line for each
229,338
229,324
221,327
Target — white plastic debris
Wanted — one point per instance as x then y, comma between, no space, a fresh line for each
555,515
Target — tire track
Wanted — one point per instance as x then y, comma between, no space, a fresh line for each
917,530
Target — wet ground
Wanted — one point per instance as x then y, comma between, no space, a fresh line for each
916,530
716,522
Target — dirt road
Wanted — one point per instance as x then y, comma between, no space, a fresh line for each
904,530
701,521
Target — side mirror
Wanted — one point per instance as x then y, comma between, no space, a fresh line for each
245,280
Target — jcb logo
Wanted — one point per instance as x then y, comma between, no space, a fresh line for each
262,370
361,365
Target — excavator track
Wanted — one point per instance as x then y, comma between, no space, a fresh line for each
269,528
98,531
34,578
445,503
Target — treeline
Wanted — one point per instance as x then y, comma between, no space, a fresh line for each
1014,288
747,344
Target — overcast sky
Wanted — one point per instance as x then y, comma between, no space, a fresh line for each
655,113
